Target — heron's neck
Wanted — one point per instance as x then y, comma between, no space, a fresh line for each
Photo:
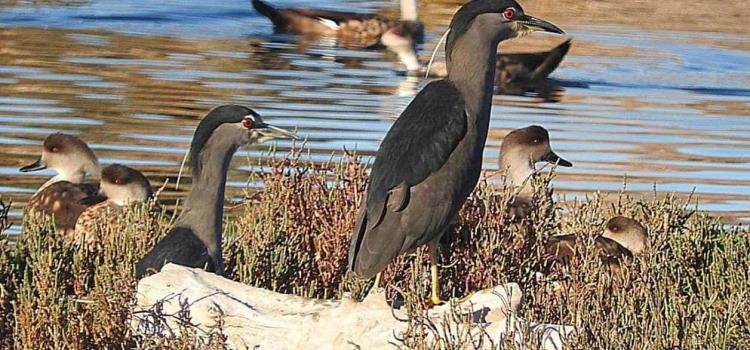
471,67
204,205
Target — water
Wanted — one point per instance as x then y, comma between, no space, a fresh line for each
664,102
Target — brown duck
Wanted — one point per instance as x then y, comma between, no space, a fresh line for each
73,161
358,29
623,238
120,188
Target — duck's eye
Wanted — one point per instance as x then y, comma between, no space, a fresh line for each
509,13
117,181
247,123
536,140
614,228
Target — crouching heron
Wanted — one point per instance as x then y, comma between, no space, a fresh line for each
195,240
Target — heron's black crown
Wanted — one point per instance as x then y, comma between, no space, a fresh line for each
215,118
466,14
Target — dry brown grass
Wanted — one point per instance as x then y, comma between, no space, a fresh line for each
688,291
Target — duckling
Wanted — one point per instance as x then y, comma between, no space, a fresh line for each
120,187
73,161
521,150
623,238
366,30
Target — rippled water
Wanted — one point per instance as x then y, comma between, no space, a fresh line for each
665,106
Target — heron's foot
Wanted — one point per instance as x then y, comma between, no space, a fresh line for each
435,300
466,298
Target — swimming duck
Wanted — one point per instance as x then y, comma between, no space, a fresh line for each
519,69
366,30
74,162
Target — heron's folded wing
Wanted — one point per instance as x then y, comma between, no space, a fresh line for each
418,143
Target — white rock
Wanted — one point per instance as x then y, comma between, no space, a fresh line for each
258,317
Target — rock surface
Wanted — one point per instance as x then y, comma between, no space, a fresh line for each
257,318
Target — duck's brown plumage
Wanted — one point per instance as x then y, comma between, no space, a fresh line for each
61,200
123,187
623,239
366,28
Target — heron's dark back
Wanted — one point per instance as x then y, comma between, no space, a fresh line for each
181,246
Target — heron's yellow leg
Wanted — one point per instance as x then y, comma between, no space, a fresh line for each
435,287
435,294
377,281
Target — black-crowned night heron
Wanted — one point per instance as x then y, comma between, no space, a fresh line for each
366,30
120,187
622,238
73,161
195,240
431,158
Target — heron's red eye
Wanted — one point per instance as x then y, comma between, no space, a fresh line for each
509,13
55,149
248,123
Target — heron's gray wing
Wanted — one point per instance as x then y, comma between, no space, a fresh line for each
418,144
180,246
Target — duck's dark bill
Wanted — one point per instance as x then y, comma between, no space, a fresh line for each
38,165
553,158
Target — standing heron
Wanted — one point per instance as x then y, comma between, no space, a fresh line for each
431,158
195,240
